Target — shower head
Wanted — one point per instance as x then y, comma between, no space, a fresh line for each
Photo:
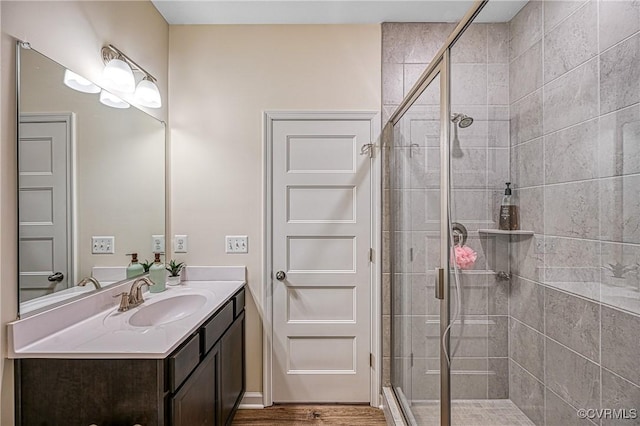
462,120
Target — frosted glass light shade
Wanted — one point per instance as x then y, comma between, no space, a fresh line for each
79,83
112,100
117,75
147,94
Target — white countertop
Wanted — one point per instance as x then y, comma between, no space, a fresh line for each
108,335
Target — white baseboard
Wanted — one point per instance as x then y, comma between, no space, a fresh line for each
251,401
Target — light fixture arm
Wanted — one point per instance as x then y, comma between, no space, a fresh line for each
110,52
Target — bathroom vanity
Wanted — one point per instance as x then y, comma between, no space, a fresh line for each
177,359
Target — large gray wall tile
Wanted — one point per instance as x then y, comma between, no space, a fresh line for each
557,10
558,412
571,264
571,209
621,343
572,98
526,347
525,260
620,75
572,377
527,393
574,322
619,142
526,28
469,84
620,209
412,42
392,77
498,43
471,47
498,335
620,279
498,84
526,302
498,380
571,154
525,73
526,118
619,394
527,164
572,42
618,20
531,211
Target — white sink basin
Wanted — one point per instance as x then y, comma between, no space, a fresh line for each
167,310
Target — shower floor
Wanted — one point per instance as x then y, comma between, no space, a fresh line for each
491,412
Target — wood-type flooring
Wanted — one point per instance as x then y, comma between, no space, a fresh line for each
290,415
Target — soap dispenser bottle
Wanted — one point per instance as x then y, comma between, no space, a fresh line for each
134,269
157,274
508,212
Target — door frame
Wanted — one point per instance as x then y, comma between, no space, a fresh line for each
266,300
69,119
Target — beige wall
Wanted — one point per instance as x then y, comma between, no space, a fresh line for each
72,33
222,78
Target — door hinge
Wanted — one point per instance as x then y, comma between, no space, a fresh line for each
412,360
370,359
411,254
371,254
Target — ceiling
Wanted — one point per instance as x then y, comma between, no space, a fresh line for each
178,12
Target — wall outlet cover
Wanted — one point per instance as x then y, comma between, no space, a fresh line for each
180,243
157,244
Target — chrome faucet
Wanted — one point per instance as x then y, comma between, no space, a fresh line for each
91,280
134,297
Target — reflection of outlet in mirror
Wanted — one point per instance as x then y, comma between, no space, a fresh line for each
103,245
157,244
236,244
181,243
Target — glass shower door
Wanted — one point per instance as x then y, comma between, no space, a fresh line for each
417,234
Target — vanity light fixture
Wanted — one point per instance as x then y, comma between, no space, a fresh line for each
111,100
79,83
118,76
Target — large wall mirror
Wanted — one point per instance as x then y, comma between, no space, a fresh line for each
85,170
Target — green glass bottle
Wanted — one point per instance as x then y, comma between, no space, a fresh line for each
134,269
157,274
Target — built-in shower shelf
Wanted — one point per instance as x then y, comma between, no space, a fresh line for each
502,232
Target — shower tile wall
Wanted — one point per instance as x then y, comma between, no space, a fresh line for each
575,160
480,89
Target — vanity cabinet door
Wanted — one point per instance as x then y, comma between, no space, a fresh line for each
232,369
195,404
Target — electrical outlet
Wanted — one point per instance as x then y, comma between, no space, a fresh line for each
236,244
103,245
181,243
157,244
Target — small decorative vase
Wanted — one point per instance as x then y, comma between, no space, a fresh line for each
171,280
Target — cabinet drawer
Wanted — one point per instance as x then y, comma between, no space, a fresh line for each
183,361
215,328
238,303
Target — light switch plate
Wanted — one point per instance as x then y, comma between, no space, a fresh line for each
180,243
236,244
157,244
103,245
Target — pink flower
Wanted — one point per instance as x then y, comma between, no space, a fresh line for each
465,256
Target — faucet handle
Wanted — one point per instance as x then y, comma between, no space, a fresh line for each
124,301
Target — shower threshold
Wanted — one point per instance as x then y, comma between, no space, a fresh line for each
472,412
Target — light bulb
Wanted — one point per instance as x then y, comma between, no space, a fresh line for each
112,100
79,83
147,94
117,76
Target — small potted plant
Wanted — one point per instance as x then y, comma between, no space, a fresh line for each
146,265
174,269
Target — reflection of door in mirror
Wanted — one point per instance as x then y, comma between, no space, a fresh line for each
45,247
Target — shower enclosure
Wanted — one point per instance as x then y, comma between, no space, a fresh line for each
538,325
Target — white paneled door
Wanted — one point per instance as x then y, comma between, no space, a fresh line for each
44,236
321,269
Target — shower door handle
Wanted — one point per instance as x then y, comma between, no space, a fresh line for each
440,283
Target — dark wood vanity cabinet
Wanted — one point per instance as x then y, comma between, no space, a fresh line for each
201,383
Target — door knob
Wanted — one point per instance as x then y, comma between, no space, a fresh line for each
280,275
56,277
